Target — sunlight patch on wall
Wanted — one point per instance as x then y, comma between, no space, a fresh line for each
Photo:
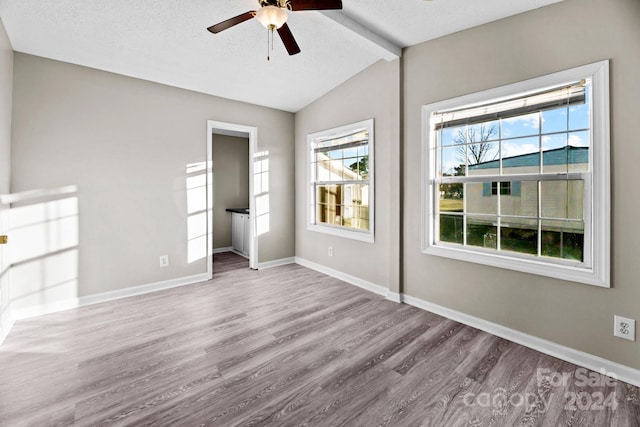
196,211
44,239
261,191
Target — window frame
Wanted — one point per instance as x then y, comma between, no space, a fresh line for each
337,230
597,205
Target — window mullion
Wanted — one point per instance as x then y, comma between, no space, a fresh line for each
539,210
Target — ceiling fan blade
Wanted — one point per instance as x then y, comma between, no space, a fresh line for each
221,26
315,4
288,40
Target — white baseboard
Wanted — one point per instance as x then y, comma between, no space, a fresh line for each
394,296
106,296
276,263
220,250
577,357
353,280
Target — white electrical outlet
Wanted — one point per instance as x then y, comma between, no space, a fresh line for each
164,260
330,250
624,328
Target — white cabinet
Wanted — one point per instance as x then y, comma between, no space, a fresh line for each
240,232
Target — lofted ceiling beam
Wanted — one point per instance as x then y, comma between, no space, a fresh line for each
387,50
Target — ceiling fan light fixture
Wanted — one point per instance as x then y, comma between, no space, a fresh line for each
272,17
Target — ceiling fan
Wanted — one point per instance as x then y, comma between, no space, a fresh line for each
273,15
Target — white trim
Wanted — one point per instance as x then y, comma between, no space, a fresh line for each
107,296
276,263
597,218
343,232
577,357
352,280
251,132
394,296
364,236
220,250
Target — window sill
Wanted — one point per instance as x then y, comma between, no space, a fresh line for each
589,276
340,232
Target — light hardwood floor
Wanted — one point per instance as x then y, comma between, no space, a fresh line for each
285,346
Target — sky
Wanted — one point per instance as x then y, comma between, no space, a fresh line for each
546,130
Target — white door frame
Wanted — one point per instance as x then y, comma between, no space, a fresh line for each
233,129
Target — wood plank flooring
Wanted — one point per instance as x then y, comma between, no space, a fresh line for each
286,346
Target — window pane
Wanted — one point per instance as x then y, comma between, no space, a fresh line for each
554,120
483,132
578,156
520,200
482,232
551,142
579,114
554,153
361,167
355,216
525,125
452,161
350,152
329,201
483,158
323,171
322,213
453,136
562,199
451,228
521,155
350,169
481,199
563,239
519,235
355,209
451,198
334,154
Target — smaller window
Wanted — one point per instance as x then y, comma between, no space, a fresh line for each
505,188
341,181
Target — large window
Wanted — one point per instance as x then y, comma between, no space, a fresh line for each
341,181
518,176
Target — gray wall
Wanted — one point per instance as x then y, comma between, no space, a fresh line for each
230,184
6,86
553,38
374,93
126,144
546,40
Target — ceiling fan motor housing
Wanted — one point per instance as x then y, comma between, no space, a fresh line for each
285,4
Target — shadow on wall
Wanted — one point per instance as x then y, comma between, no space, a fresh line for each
44,238
197,202
261,191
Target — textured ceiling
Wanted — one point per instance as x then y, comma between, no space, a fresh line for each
167,42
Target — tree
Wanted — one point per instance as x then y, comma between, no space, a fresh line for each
361,167
480,151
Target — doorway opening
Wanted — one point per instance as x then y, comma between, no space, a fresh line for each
238,133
